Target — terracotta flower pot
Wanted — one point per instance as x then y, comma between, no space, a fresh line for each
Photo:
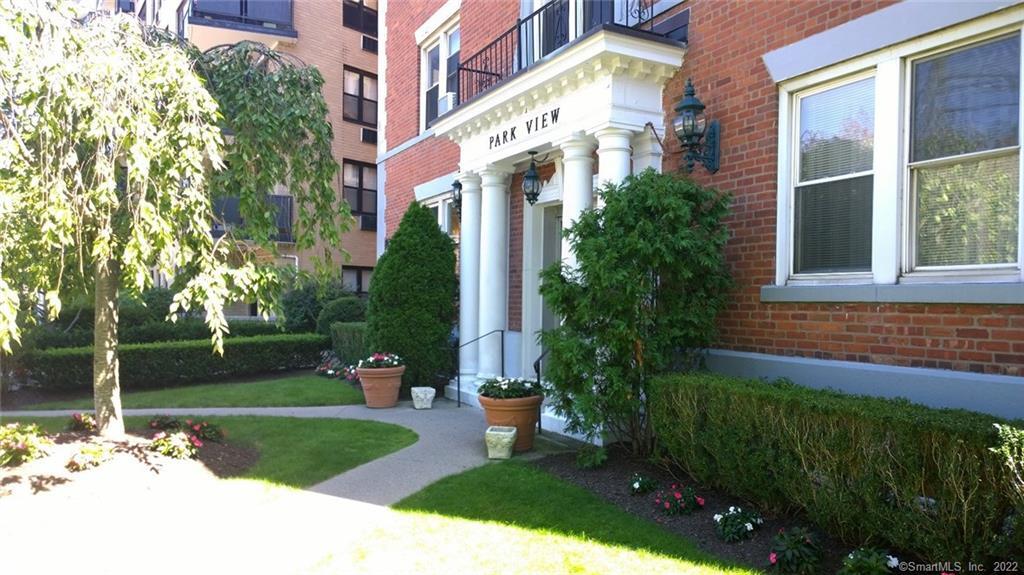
520,413
381,385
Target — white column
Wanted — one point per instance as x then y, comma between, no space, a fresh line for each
647,151
493,268
577,185
613,152
469,272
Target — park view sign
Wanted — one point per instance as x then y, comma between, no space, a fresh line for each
526,127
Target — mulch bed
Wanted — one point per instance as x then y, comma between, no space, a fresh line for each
50,474
612,482
227,459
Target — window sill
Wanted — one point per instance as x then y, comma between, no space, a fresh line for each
966,293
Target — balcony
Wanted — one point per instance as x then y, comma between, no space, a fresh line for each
558,24
227,21
229,218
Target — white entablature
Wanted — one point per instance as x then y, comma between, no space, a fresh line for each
611,78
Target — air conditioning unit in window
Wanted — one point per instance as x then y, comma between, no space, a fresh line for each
368,222
447,102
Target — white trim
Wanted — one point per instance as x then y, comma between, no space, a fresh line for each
437,20
793,165
892,224
874,31
438,39
532,308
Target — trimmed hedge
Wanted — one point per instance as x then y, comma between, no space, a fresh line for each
344,309
179,362
867,469
149,332
348,340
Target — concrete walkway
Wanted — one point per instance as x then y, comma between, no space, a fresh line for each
450,441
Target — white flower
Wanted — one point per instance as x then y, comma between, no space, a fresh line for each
636,485
892,562
732,509
750,527
760,521
718,517
851,555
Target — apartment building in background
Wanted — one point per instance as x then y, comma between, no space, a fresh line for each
872,149
340,38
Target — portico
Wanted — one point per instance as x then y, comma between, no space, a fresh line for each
597,103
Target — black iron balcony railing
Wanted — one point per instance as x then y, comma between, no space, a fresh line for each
229,217
262,13
555,25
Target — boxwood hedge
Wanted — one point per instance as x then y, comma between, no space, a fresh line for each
43,337
867,469
172,363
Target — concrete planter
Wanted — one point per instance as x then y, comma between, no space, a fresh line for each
500,441
423,397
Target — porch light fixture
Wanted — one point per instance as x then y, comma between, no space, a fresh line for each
457,197
531,181
691,128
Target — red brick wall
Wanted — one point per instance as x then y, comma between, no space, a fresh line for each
483,21
515,245
726,41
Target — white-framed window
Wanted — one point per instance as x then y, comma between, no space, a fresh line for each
904,166
447,217
440,77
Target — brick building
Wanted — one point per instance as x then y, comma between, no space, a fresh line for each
871,147
338,37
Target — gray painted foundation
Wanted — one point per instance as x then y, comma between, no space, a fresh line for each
1000,395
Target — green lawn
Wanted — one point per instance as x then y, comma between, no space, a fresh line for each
512,518
297,452
289,391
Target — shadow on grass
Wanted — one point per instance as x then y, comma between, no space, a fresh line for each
520,495
291,451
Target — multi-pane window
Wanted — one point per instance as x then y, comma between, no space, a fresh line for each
356,279
965,156
834,180
930,188
433,78
360,15
360,97
181,15
446,215
441,74
451,91
360,187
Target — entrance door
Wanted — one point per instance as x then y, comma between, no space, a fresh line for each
551,250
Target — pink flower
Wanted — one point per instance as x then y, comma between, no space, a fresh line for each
678,495
772,558
668,505
700,501
195,441
196,427
159,435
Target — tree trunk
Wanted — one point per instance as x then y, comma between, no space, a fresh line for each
106,372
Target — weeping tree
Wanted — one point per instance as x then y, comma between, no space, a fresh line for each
111,153
650,280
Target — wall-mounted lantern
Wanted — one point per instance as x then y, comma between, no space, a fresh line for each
699,139
457,197
531,181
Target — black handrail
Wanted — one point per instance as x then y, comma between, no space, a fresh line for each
540,408
458,370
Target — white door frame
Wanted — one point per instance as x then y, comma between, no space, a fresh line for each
533,259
